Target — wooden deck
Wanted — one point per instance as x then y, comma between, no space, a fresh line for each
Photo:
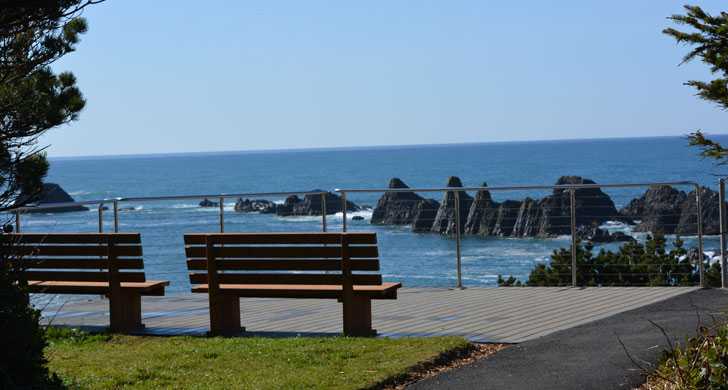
508,315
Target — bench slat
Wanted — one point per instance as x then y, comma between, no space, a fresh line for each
293,252
281,238
68,263
82,276
384,291
78,250
71,238
285,278
283,265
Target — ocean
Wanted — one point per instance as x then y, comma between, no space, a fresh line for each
413,259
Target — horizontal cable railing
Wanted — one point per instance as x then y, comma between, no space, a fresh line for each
568,222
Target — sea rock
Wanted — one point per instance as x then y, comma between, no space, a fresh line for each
208,203
482,214
357,218
529,222
709,210
505,218
444,222
53,193
597,235
424,215
261,206
659,209
311,205
396,208
592,205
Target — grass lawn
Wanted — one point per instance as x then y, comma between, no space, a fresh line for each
114,361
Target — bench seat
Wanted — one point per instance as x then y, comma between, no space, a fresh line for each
383,291
308,265
148,288
109,264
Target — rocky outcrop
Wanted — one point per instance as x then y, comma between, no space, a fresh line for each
595,234
482,214
208,203
445,219
592,205
657,210
261,206
53,193
505,218
529,219
311,205
709,211
397,207
424,215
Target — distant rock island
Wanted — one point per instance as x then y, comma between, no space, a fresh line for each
51,193
293,206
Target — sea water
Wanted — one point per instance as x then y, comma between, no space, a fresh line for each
413,259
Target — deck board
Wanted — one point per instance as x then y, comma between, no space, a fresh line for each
510,314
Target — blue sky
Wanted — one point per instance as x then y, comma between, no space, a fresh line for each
183,76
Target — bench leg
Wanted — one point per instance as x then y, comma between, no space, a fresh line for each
358,317
125,308
225,315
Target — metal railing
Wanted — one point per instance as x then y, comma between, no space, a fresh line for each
456,191
114,202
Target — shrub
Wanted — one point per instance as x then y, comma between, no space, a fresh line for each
634,264
701,364
22,363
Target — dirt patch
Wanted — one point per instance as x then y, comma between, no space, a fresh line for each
444,362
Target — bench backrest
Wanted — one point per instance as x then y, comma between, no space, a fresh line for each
77,257
283,258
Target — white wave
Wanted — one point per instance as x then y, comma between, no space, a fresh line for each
187,206
366,214
79,193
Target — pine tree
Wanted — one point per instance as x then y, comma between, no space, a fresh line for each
33,99
709,42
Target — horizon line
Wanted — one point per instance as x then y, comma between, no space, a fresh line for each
345,148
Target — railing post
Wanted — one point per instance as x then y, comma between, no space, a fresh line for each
343,211
17,221
722,216
323,211
101,217
701,263
572,207
458,253
116,216
222,214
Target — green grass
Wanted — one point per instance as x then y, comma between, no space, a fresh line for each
115,361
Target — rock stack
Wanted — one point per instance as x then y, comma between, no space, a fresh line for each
444,222
311,205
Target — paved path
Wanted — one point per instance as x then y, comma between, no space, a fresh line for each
589,356
508,315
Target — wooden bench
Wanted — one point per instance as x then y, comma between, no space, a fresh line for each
228,266
81,263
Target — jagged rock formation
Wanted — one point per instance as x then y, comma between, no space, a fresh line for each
709,210
658,210
311,205
482,214
53,193
396,207
444,222
261,206
505,218
208,203
664,209
424,215
540,217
